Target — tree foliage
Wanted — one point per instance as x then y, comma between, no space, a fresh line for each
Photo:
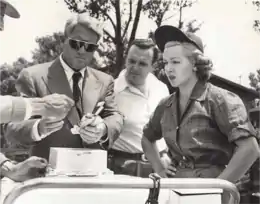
255,80
9,74
255,77
157,10
256,24
49,47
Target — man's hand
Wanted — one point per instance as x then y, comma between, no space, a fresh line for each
54,105
49,125
92,128
21,171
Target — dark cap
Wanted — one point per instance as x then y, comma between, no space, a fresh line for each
10,10
167,33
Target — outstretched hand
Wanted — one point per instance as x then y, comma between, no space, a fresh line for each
21,171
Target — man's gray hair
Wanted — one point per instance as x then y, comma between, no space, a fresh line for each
83,19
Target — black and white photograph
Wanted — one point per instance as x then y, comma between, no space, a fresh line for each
130,101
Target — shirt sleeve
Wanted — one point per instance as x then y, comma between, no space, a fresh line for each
12,109
152,130
231,116
28,112
35,133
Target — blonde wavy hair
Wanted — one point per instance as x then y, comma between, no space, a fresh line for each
202,63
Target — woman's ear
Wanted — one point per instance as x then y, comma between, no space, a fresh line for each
194,68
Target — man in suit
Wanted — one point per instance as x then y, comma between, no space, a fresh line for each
19,109
70,74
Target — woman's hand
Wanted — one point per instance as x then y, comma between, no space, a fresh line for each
169,169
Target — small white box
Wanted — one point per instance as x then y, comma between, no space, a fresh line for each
79,161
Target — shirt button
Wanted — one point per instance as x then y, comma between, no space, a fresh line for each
184,158
177,128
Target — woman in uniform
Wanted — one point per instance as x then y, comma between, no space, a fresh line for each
206,128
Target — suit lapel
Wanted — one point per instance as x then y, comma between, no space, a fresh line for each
57,82
91,91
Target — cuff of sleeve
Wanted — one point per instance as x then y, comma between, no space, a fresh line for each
236,134
35,133
103,139
28,113
19,109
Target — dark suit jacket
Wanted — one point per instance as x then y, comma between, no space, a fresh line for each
44,79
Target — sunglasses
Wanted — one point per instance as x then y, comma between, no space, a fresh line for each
77,44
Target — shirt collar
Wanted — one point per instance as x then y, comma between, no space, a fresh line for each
122,84
68,70
198,93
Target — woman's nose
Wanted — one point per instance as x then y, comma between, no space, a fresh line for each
168,68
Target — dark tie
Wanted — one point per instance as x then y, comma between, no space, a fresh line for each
76,92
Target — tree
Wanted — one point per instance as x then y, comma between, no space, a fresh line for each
255,79
257,21
123,18
49,47
9,74
157,10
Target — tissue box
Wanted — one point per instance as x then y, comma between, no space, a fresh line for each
78,161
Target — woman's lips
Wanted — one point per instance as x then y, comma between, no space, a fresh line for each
172,77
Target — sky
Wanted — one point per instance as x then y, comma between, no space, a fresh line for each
227,32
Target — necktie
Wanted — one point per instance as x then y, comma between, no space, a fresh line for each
76,92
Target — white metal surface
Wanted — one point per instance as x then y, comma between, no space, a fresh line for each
111,188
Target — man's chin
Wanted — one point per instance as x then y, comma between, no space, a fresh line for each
80,65
136,82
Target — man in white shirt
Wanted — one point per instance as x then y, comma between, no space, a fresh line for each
137,92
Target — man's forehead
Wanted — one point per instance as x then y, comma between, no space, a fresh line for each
140,53
83,33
